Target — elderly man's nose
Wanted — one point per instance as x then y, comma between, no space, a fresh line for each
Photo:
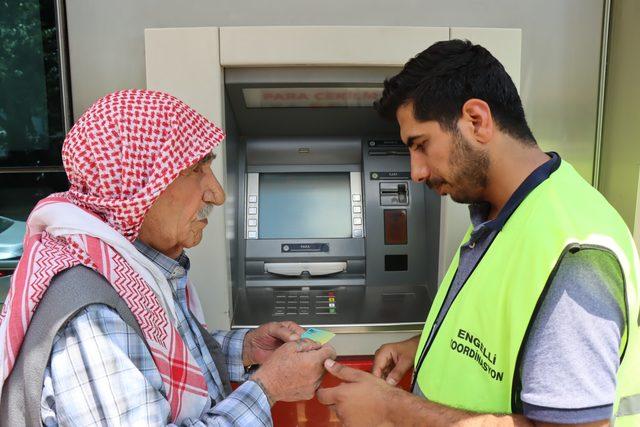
214,194
216,197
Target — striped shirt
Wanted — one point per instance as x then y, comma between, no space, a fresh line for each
102,373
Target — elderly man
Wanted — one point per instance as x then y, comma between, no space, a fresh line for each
109,324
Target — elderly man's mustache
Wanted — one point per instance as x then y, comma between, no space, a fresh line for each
204,211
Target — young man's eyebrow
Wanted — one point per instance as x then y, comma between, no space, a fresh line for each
412,139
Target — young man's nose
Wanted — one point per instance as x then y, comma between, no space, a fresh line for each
420,173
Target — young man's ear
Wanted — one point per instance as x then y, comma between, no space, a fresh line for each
476,120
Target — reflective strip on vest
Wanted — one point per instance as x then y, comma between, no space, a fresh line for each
629,405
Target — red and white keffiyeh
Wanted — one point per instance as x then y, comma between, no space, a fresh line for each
120,155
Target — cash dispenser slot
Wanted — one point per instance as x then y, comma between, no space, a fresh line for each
387,148
297,269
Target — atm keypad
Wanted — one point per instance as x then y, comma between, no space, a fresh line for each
304,303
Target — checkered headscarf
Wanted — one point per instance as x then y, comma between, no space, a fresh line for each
127,148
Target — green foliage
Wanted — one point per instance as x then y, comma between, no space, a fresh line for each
28,47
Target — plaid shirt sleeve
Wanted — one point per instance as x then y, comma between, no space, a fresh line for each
232,343
101,372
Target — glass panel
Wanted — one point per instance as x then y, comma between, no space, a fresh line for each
19,192
31,112
304,205
5,223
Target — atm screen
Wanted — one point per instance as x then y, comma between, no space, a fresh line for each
305,205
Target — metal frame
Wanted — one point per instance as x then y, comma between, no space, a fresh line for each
65,74
602,80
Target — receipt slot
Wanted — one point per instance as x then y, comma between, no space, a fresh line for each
394,194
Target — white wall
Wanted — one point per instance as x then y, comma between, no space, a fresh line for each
560,46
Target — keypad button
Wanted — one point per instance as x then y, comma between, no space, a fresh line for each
253,199
355,197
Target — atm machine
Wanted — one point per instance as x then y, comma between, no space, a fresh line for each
322,223
331,231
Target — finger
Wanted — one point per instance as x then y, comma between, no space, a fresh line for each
344,373
280,331
303,345
381,363
327,352
294,327
401,368
328,396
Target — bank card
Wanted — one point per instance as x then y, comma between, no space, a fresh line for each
318,335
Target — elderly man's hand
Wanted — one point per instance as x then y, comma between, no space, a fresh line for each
294,371
260,343
363,400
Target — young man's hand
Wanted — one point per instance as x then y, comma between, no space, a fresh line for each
362,400
392,361
260,343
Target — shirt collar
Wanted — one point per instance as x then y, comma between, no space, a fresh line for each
480,211
171,268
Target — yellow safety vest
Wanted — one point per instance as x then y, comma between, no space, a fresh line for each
473,362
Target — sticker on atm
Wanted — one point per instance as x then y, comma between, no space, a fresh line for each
318,335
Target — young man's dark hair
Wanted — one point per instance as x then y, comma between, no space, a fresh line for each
440,79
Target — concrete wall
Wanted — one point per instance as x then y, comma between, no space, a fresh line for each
621,137
560,47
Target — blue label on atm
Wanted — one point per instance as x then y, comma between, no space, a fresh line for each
304,247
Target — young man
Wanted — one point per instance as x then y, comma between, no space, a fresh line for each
536,321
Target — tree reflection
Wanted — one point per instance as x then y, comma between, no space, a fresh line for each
31,114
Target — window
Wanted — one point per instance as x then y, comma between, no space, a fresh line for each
34,104
32,108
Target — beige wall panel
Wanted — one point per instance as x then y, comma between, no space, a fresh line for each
621,134
329,46
185,62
